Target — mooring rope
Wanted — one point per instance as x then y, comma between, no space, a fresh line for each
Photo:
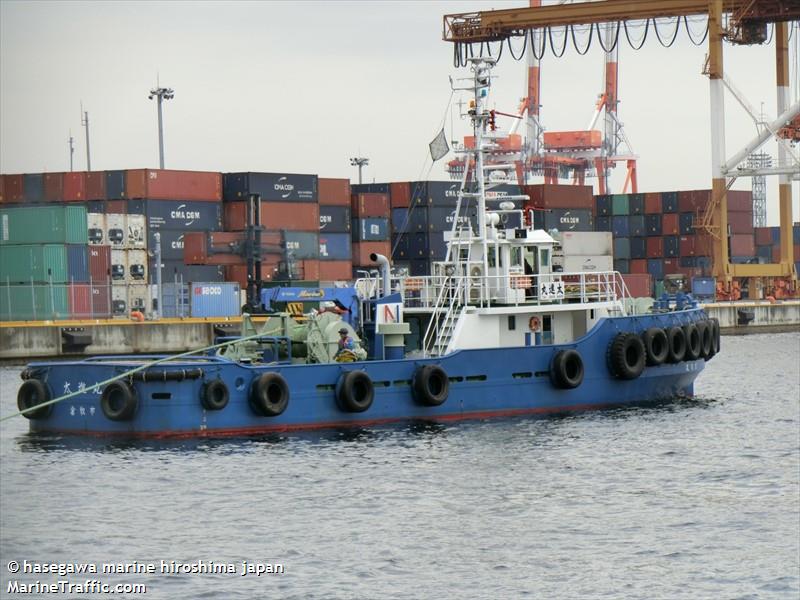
131,372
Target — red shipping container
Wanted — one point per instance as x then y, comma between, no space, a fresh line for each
100,264
116,207
238,273
547,195
670,266
670,224
101,301
763,236
234,216
224,247
740,201
369,205
652,203
335,270
362,251
3,188
693,200
639,285
797,253
776,253
741,222
742,245
96,185
335,192
12,188
310,270
655,247
157,184
688,245
75,186
399,195
53,187
292,216
79,300
638,266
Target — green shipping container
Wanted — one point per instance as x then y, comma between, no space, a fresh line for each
659,289
33,303
620,205
43,225
38,264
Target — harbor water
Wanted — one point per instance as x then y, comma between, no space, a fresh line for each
696,498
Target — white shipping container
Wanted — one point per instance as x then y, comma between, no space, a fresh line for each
96,223
586,243
137,236
119,265
139,297
587,264
136,265
119,299
116,230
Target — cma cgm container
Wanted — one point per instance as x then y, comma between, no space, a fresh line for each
157,184
171,243
179,214
39,264
214,299
280,187
43,225
176,271
335,246
334,219
563,219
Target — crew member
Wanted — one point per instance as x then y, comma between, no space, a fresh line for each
345,341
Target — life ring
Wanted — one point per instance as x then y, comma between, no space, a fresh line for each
137,315
656,346
677,344
214,395
534,324
119,401
354,391
694,345
627,356
431,385
566,371
31,393
269,395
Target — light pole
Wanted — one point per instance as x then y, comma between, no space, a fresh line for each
359,162
161,94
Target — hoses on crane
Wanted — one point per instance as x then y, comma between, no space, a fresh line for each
588,44
674,35
524,47
552,46
689,33
614,43
644,35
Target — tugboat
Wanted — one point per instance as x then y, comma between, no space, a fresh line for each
498,331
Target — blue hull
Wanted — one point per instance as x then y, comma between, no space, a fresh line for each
483,383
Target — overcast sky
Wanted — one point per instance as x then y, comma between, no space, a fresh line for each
304,86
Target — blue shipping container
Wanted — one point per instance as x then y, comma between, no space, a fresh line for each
115,185
407,220
278,187
171,243
622,265
636,226
620,226
179,214
435,193
335,246
33,187
686,223
655,266
652,225
370,230
441,218
174,300
672,246
638,247
400,248
569,219
214,299
622,248
602,224
77,263
301,245
636,204
419,267
334,219
764,252
669,202
603,204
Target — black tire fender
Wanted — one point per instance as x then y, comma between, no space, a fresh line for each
677,345
627,356
704,328
715,337
214,395
566,370
656,346
119,401
31,393
269,395
431,385
354,391
694,344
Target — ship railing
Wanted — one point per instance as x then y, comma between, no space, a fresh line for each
486,291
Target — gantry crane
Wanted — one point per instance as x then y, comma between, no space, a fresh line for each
747,21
